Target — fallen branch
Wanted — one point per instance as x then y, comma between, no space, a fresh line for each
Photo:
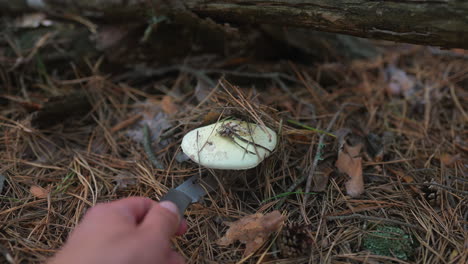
437,23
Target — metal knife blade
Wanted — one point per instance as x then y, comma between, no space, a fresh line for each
190,191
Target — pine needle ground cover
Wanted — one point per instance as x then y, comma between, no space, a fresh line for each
118,135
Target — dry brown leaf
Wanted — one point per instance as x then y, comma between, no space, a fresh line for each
252,230
39,192
350,162
211,117
168,105
460,51
406,178
449,160
111,35
320,179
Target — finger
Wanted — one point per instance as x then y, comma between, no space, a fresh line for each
182,228
175,258
132,209
161,222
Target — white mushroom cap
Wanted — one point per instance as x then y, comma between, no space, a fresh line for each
230,145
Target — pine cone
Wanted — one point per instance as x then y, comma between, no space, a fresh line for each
432,194
294,240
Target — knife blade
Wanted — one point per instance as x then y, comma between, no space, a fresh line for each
190,191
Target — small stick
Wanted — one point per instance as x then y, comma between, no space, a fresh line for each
149,150
227,131
242,147
371,218
248,141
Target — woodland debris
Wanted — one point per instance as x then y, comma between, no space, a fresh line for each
82,150
294,240
168,105
154,117
60,108
387,21
407,179
7,256
32,20
125,123
39,192
399,82
124,180
320,179
211,117
350,162
252,230
147,144
109,36
318,154
2,182
374,149
449,160
202,89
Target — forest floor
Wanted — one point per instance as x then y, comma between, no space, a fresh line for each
69,143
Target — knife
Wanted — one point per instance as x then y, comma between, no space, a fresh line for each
190,191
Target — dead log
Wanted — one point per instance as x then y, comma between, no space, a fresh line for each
430,22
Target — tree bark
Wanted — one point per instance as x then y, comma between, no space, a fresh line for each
437,23
430,22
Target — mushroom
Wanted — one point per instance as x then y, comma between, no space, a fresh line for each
229,144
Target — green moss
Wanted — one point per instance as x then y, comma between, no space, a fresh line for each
389,241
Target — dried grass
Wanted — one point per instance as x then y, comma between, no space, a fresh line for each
92,158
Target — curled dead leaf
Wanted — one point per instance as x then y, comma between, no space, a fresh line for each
168,105
449,160
350,162
39,192
252,230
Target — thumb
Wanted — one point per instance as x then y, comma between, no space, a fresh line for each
162,221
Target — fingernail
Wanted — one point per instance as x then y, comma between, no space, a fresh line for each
171,207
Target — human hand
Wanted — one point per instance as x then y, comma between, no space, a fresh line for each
132,230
